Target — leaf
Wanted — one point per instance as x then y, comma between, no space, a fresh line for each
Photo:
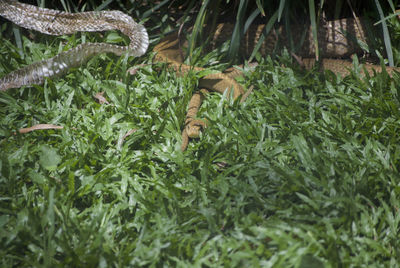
39,127
313,20
281,7
310,261
237,31
265,32
49,158
114,37
37,177
198,25
100,98
386,36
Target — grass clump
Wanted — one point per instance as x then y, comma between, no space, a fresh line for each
304,173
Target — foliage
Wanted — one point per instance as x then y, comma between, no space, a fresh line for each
305,173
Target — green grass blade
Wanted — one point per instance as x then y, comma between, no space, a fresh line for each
238,30
151,11
250,19
392,6
280,9
18,39
386,36
260,7
103,5
197,27
338,8
314,29
266,31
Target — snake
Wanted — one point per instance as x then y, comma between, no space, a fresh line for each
333,40
54,22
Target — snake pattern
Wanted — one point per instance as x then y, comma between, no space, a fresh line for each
55,22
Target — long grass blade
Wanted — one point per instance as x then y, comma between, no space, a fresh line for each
391,5
338,8
238,30
103,5
66,6
260,7
250,19
153,9
197,27
18,39
266,31
280,10
313,21
386,36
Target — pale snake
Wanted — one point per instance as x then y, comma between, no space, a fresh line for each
55,22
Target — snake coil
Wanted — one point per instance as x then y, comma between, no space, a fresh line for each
55,22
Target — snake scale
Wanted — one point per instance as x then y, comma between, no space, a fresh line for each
56,22
332,38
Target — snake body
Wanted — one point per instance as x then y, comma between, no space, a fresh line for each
332,38
55,22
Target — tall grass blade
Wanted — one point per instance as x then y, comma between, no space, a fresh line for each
260,7
338,8
197,27
266,31
314,30
280,10
238,30
386,36
103,5
18,39
250,19
392,6
153,9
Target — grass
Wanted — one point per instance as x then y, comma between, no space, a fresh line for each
305,173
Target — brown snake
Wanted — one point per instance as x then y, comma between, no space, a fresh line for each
331,38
